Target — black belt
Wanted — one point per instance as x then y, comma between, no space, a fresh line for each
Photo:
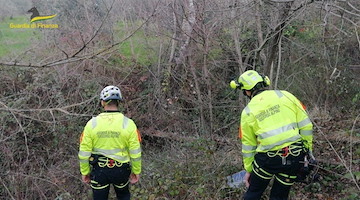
103,161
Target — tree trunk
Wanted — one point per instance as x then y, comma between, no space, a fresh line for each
259,30
279,65
277,32
235,35
173,40
187,29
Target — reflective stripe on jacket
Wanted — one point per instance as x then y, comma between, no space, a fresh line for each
272,120
112,135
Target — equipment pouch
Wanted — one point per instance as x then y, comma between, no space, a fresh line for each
306,168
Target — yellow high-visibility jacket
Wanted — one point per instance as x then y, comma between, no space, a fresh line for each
113,135
272,120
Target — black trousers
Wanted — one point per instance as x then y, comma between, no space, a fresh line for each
103,177
265,168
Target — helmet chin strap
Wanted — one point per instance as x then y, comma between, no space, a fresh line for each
107,102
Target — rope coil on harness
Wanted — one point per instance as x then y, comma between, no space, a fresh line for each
294,150
108,162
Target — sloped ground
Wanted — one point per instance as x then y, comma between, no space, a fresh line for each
38,151
195,168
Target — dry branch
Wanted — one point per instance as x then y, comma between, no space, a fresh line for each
7,189
21,128
59,109
96,32
338,156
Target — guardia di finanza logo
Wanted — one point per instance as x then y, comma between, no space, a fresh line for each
36,17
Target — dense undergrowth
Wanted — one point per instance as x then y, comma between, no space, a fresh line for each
189,121
40,131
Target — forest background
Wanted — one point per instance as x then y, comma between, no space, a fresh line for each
173,60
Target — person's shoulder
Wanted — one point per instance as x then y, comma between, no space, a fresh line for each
128,122
284,93
287,93
91,122
246,111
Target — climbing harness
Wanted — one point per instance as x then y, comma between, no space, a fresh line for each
108,162
102,161
294,149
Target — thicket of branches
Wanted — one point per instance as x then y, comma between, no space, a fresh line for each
173,61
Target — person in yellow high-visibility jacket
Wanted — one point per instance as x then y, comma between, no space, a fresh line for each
110,143
276,136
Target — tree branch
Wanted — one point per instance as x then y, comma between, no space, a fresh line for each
343,9
96,32
21,128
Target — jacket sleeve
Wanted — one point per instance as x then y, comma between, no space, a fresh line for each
304,124
248,140
134,148
85,150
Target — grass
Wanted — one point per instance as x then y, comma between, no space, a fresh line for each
15,40
140,47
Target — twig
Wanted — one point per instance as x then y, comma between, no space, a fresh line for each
40,190
7,189
353,7
20,112
340,158
279,63
226,126
42,179
60,109
21,128
343,9
96,32
324,169
351,141
342,17
357,36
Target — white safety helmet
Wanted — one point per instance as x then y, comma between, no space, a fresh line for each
110,93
